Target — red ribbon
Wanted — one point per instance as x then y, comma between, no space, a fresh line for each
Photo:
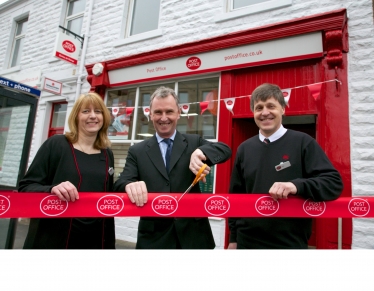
37,205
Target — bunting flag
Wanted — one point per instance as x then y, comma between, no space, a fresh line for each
211,99
315,89
185,107
146,111
204,106
129,110
96,204
287,95
115,111
230,104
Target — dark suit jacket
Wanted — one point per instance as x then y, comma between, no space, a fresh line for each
144,163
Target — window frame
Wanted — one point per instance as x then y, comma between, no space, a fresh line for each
130,20
15,37
124,37
228,13
68,18
60,129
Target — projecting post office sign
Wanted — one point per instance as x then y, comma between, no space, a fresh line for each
67,48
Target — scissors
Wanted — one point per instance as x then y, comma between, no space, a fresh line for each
198,177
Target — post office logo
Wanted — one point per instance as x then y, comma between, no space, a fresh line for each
110,205
164,205
53,206
4,204
313,208
266,206
68,46
217,205
193,63
359,207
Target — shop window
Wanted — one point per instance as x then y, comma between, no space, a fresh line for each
139,10
240,8
18,42
194,92
144,128
5,115
58,118
124,109
121,104
74,15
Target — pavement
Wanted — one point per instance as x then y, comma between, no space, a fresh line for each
21,232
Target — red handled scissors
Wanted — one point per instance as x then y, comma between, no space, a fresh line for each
199,176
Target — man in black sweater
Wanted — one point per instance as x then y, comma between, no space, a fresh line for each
280,162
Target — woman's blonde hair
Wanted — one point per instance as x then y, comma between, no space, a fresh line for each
85,100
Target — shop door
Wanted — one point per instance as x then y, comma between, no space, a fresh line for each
17,117
244,128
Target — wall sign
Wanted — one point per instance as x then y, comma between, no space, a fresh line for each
267,52
67,48
19,87
52,86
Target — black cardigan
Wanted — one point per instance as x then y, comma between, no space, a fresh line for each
54,163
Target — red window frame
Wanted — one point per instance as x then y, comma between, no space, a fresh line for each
55,130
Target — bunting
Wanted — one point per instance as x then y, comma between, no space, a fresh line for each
146,111
203,106
315,90
230,104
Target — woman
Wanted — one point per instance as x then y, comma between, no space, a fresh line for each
67,166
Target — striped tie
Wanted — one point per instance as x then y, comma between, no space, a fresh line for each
266,140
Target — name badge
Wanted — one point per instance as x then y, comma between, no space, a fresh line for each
282,166
111,171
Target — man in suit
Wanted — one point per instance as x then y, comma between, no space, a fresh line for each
145,171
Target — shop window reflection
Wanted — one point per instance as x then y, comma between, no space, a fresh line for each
195,121
121,104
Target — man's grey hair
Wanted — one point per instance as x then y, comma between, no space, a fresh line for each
163,92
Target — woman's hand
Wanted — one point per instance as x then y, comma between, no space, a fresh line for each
66,191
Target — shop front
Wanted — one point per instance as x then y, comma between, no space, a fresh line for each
214,78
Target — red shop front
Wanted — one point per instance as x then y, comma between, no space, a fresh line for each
298,55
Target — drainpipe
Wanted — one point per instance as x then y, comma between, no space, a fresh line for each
82,75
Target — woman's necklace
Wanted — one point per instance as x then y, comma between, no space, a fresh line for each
81,147
88,151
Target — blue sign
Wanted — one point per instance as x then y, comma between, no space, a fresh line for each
19,87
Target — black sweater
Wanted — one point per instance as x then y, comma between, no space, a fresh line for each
254,172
